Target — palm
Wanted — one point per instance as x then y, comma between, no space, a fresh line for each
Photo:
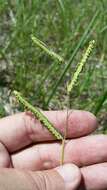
26,144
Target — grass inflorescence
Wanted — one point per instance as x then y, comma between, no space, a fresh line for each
80,66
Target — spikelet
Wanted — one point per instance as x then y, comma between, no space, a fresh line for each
80,66
43,46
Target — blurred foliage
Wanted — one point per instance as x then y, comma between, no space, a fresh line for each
61,25
2,111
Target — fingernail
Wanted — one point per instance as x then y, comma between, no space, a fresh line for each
71,176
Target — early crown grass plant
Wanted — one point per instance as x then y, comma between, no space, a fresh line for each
37,113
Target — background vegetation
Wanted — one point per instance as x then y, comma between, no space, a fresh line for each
66,26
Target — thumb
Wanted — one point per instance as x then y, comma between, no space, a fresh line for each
66,177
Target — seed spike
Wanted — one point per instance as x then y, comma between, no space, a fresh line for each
80,66
39,115
44,47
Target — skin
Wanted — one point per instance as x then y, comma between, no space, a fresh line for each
27,148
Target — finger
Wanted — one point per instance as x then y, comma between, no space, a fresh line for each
23,129
82,152
94,177
63,178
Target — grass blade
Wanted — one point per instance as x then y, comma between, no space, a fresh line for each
62,6
100,103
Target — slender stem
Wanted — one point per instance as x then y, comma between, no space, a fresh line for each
63,141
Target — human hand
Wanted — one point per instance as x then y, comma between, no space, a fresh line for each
26,146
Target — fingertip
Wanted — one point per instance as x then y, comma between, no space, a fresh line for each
71,175
92,120
81,123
